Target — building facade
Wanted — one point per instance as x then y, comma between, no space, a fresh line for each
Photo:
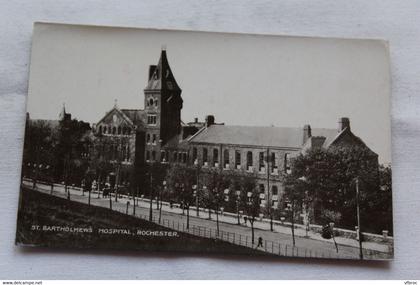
157,134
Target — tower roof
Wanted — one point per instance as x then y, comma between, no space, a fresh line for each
161,76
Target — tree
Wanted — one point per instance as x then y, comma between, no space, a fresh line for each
181,180
216,183
250,200
156,172
38,158
329,181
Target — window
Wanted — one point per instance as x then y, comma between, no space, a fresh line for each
226,158
156,102
151,119
124,130
162,156
194,154
119,130
128,152
286,163
114,130
150,102
237,159
100,129
153,155
273,161
154,139
205,155
129,131
148,138
274,190
262,163
249,162
175,156
147,155
215,156
184,157
104,129
262,188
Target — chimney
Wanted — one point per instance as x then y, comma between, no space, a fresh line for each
152,69
307,133
195,120
343,123
209,120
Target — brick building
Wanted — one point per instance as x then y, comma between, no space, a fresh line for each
157,134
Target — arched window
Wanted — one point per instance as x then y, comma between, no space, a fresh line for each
148,138
215,157
151,102
104,129
274,190
100,129
153,155
205,155
114,130
129,131
249,162
286,163
147,155
226,158
194,154
119,130
156,102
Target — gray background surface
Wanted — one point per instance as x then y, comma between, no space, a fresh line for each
396,21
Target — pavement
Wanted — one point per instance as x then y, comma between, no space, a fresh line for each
278,241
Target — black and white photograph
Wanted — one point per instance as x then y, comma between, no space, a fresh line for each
203,142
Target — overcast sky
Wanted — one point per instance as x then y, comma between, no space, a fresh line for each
240,79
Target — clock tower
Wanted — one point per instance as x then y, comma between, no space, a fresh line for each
163,104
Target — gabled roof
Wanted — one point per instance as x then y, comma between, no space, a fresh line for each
162,77
137,116
257,136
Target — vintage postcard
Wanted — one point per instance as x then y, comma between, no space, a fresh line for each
159,140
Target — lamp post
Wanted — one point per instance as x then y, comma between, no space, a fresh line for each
197,186
160,208
358,218
195,194
217,213
151,196
238,194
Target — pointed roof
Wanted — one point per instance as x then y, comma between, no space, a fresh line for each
162,77
63,112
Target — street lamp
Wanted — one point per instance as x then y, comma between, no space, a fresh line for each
195,194
196,186
160,199
217,195
359,231
238,194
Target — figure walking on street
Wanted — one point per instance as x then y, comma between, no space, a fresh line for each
260,242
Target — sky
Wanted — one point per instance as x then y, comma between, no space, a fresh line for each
241,79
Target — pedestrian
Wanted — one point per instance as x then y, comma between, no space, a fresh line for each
260,242
245,219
